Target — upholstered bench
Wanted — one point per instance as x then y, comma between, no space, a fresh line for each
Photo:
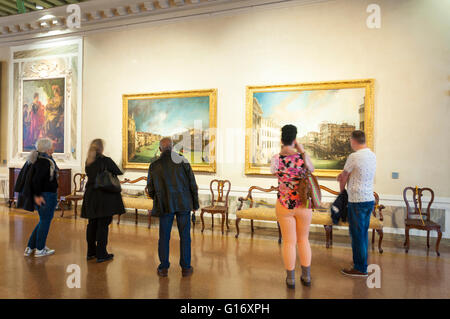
136,203
318,217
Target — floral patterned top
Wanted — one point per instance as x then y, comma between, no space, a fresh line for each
289,170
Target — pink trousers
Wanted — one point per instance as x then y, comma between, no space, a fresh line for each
294,224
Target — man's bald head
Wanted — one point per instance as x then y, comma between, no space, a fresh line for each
165,144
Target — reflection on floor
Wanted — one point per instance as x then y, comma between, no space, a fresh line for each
224,267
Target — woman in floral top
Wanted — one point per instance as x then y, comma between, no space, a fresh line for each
293,215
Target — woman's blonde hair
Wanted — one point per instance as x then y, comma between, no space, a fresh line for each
95,149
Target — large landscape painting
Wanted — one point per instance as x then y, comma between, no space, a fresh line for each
188,117
43,112
325,115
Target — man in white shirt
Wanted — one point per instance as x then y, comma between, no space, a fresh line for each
358,174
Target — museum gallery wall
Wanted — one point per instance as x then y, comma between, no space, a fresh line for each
46,100
245,57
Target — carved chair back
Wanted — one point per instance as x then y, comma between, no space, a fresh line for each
223,187
416,194
79,182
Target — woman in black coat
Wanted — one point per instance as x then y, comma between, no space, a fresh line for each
99,206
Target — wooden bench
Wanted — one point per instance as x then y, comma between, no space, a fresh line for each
136,203
319,217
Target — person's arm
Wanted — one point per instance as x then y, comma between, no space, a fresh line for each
308,163
150,186
192,186
343,177
112,167
274,164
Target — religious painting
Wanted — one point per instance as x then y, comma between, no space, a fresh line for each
324,113
43,112
188,117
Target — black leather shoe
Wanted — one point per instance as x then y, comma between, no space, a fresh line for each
108,257
162,272
186,272
90,257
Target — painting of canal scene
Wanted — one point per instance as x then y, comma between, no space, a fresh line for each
43,112
188,117
325,115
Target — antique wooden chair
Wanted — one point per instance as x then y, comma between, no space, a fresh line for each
79,182
219,205
423,222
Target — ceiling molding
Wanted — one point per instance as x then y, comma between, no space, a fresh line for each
101,15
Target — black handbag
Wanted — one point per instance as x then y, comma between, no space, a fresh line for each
106,181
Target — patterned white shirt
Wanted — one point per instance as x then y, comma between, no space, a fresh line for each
361,164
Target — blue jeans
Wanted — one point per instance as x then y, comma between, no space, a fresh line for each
359,220
184,229
46,211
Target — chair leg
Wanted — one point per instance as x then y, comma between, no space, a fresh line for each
237,227
380,239
227,220
136,216
251,224
327,232
438,242
428,239
407,239
331,235
149,218
223,222
76,209
279,233
203,221
60,206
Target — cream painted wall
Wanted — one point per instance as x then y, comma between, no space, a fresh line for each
408,57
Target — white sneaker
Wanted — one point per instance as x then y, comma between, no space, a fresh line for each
28,252
44,252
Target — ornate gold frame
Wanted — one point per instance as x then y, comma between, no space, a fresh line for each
212,93
368,84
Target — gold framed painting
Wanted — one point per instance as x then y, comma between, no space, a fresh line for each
325,114
188,117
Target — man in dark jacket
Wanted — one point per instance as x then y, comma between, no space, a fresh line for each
172,186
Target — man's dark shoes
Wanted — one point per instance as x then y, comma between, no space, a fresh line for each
164,272
106,258
90,257
352,272
186,272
